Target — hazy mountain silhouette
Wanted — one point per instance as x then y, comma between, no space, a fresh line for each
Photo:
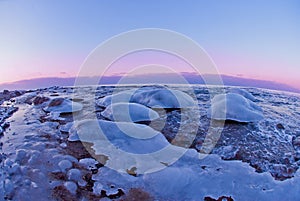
152,78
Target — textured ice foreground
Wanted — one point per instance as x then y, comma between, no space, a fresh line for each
151,97
129,112
234,107
38,162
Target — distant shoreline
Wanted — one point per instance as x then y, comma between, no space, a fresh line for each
169,79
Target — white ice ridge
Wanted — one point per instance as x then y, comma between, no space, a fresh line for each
234,107
129,112
151,97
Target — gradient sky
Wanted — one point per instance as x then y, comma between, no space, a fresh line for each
253,39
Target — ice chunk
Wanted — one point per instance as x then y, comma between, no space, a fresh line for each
129,112
234,107
61,105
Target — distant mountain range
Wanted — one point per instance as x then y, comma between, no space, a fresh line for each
144,79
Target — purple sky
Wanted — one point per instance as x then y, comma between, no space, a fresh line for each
249,39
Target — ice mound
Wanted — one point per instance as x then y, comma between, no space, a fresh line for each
61,105
123,96
151,97
129,112
242,92
129,147
234,107
164,98
130,137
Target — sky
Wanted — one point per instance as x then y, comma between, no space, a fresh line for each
250,39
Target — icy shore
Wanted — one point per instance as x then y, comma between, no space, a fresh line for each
42,157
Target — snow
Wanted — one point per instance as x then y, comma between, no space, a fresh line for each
234,107
129,112
61,105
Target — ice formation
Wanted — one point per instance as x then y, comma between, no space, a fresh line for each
163,98
129,112
155,98
129,137
234,107
242,92
61,105
30,173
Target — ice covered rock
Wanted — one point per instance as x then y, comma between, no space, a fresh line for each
129,112
64,164
65,128
63,145
88,163
151,97
97,188
71,187
61,105
20,155
74,175
8,186
242,92
234,107
40,100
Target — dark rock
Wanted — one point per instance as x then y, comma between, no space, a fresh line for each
136,194
5,92
222,198
40,99
56,102
280,126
